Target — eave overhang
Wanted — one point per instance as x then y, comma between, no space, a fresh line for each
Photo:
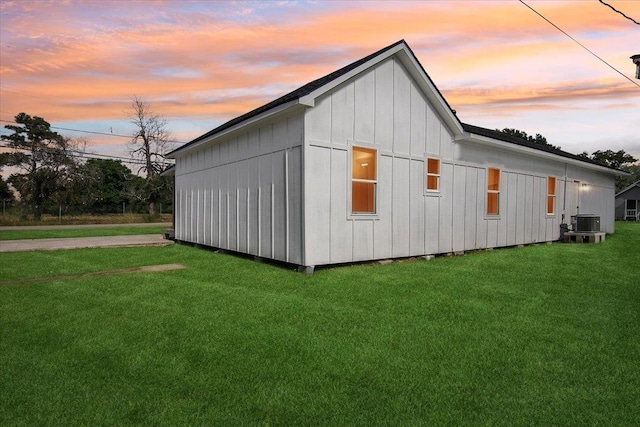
468,137
281,109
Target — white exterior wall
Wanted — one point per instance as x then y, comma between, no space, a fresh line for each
523,217
383,108
595,194
243,192
380,108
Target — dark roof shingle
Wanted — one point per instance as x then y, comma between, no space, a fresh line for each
501,136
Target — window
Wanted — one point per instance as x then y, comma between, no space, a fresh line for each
433,174
364,177
551,195
493,191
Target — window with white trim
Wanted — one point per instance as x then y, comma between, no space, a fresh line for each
364,179
433,174
493,191
551,195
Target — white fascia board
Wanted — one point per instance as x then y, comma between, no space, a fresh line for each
262,116
432,93
310,99
407,59
496,143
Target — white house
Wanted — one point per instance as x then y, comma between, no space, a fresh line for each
370,162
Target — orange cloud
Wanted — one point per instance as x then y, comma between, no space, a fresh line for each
83,61
568,92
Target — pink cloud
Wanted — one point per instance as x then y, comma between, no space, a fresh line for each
83,61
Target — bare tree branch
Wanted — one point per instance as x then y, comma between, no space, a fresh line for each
149,143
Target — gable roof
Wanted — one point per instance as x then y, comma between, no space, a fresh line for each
305,95
632,186
291,96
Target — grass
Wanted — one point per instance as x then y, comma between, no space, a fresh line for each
543,335
78,232
14,219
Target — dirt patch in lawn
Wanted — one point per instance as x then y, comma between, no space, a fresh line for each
143,269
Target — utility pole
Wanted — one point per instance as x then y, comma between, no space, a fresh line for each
636,60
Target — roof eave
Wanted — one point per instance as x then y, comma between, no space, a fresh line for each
635,184
431,91
480,139
311,97
248,122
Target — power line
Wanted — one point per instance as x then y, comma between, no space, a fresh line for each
84,154
107,134
621,13
78,130
97,156
91,132
580,44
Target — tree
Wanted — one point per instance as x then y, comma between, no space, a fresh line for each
623,182
617,160
150,142
538,139
41,154
6,194
612,159
102,185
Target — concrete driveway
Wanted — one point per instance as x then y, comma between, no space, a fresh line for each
83,242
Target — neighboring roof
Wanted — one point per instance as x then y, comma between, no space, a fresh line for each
635,184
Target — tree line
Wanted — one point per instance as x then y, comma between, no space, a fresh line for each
609,158
51,178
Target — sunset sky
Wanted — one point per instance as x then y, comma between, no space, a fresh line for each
201,63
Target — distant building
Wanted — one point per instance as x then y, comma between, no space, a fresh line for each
628,203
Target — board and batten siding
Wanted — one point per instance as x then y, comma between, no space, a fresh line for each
243,192
593,193
381,108
384,108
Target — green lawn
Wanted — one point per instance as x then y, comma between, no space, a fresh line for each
10,219
542,335
78,232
